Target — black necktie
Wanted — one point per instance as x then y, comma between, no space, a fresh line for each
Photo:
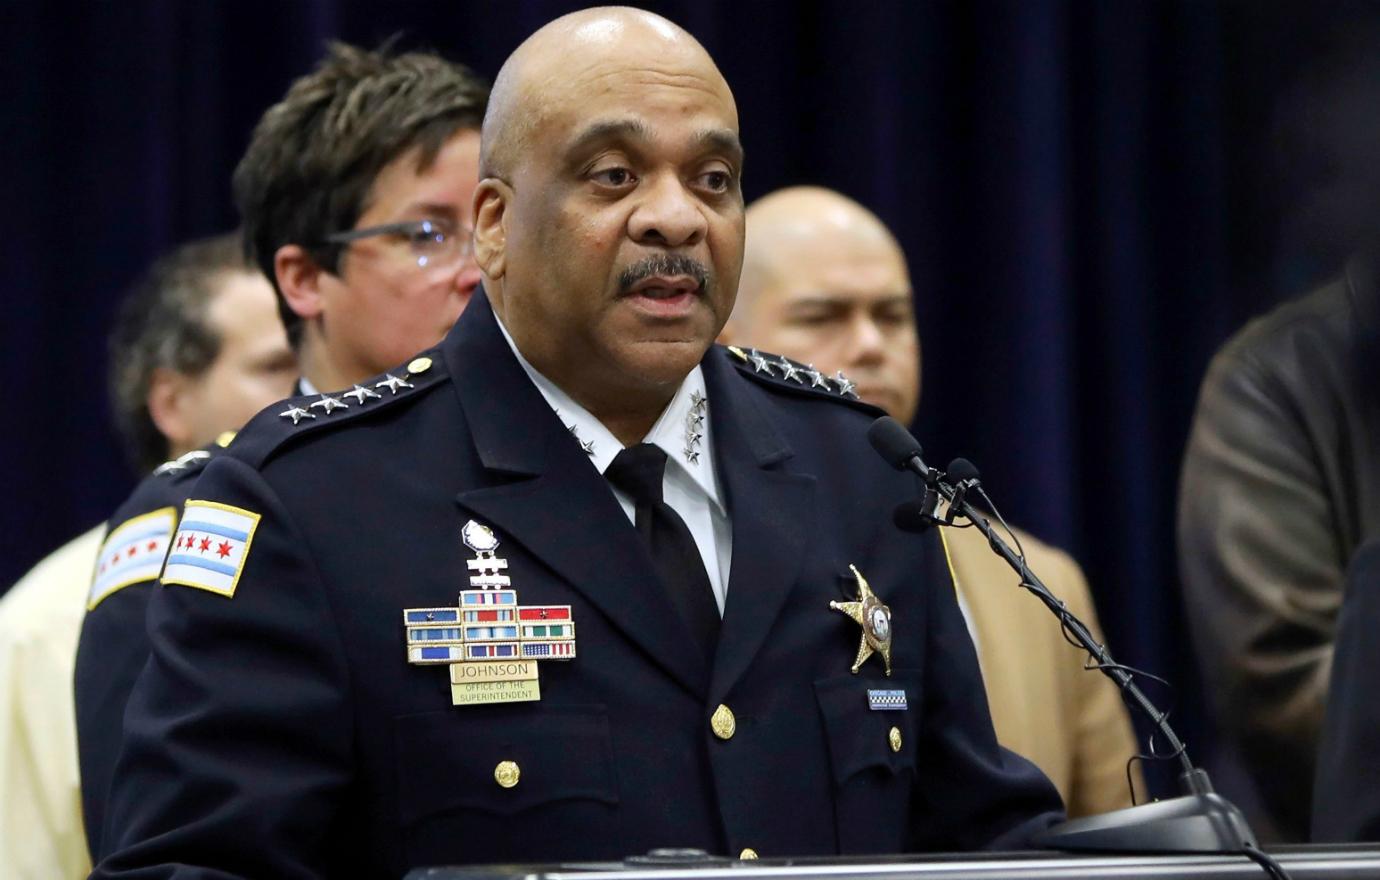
638,471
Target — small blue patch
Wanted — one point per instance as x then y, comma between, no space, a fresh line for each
886,701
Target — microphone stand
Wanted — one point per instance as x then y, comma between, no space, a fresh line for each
1198,821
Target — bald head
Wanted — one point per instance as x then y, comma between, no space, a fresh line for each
825,282
609,216
573,53
811,233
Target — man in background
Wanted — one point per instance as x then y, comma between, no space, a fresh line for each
1280,487
197,349
355,197
1281,476
825,282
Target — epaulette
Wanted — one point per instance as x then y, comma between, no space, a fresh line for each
307,414
195,460
776,371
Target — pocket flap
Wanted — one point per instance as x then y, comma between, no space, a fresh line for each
448,760
859,737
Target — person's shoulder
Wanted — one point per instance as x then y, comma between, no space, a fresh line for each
51,589
141,528
792,380
296,419
1323,317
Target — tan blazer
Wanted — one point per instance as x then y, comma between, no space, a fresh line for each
1070,722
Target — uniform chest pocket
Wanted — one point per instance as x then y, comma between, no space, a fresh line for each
502,760
872,758
861,738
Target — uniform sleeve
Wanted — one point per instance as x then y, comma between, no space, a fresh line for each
111,651
1103,736
972,793
238,734
1262,576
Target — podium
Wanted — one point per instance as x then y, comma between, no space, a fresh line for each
1335,862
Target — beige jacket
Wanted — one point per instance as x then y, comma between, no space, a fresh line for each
1045,706
41,833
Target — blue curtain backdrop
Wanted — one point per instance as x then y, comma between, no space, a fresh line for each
1085,191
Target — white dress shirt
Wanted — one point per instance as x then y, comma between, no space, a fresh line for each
691,483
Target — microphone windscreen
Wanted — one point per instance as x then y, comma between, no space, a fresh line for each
961,470
893,442
909,516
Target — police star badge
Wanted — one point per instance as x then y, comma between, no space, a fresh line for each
874,618
490,642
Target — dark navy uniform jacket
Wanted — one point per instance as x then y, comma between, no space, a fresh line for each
281,732
113,646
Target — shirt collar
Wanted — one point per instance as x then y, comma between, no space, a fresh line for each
686,441
305,388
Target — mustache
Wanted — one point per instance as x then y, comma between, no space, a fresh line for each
664,264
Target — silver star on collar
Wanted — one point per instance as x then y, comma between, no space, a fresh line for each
845,385
759,363
328,404
393,383
297,414
697,400
586,445
789,371
817,379
360,393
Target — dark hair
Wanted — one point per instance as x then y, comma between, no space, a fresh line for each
313,158
162,324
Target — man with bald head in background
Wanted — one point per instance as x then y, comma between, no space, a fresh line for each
826,283
675,608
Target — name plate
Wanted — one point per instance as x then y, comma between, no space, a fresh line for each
493,670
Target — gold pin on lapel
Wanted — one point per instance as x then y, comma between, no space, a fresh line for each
874,618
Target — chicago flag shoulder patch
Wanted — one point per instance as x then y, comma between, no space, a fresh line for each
210,547
132,553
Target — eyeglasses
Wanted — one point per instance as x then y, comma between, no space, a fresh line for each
434,243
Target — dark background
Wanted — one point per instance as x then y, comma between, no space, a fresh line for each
1093,196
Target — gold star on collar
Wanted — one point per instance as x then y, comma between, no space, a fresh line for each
874,618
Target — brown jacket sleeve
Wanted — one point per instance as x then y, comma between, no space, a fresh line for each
1262,569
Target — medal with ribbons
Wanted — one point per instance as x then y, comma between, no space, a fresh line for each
492,644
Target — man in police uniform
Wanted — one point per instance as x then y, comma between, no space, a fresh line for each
311,707
386,147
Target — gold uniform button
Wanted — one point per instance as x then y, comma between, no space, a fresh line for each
747,854
507,774
895,739
723,723
419,365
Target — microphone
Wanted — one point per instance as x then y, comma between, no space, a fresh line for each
1200,820
896,445
917,515
963,470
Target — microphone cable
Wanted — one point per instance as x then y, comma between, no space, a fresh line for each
1267,862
